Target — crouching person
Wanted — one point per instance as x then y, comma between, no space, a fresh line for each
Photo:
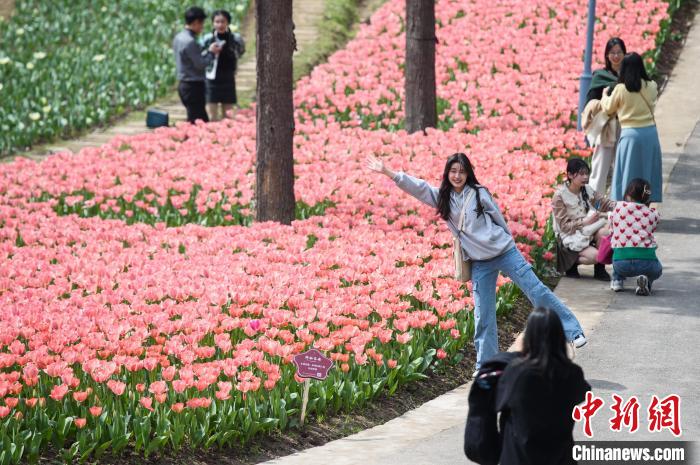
579,223
633,223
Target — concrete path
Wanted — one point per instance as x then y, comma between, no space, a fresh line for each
307,14
647,346
638,346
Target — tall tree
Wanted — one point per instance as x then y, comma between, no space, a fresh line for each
421,108
274,181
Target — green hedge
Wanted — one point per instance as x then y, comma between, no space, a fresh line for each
68,65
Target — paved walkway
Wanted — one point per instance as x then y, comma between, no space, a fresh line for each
307,15
646,346
6,7
638,346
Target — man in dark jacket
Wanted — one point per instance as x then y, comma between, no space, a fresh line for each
191,62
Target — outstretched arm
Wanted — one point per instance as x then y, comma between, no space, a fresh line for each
414,186
375,164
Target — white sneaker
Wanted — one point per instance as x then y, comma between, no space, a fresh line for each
642,285
580,341
616,285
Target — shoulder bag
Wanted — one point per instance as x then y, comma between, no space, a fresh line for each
648,106
463,268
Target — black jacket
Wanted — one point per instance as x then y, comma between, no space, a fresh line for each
227,58
536,413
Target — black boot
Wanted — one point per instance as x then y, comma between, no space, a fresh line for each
573,272
599,272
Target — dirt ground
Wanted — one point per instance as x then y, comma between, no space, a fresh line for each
6,7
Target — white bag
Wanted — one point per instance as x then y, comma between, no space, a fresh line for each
463,268
211,71
595,131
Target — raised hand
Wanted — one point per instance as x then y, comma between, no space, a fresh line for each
375,164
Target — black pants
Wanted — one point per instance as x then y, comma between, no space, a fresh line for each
192,97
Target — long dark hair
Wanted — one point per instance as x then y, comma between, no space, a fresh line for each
609,46
639,190
632,72
443,206
544,343
223,13
575,166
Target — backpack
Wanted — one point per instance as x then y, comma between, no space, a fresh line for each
482,438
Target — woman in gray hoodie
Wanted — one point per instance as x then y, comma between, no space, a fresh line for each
487,241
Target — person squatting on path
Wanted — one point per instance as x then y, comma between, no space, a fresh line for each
190,62
633,223
537,394
578,226
638,152
221,82
487,241
604,145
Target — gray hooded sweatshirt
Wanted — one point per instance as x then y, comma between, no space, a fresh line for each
482,238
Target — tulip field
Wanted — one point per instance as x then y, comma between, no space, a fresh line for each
68,65
142,309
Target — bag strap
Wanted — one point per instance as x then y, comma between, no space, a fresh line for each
471,194
648,106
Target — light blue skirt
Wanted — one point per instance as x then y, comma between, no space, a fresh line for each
638,156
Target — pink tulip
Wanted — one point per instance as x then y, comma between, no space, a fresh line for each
146,402
58,392
80,396
177,407
117,387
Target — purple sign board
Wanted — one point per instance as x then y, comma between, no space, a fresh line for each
312,364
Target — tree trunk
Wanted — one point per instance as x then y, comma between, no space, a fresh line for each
274,180
421,109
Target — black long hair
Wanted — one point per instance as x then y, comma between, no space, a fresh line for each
609,46
443,206
544,343
223,13
574,166
639,190
632,71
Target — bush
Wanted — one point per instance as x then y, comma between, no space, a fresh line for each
68,65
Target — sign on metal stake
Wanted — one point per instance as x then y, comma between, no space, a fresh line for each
311,364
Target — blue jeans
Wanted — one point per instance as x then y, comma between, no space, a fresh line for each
632,268
513,265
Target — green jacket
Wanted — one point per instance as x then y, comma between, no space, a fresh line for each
602,78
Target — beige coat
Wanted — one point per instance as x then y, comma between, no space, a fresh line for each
600,128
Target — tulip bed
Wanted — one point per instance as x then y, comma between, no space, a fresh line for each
140,308
69,65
